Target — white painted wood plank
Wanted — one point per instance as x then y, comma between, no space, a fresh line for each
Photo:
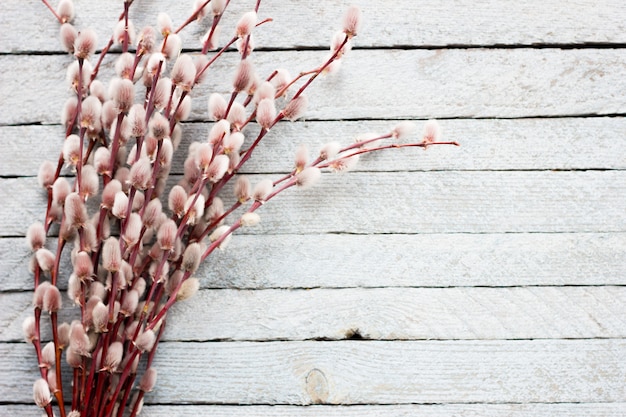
405,23
403,410
565,143
419,202
449,83
357,372
377,314
336,261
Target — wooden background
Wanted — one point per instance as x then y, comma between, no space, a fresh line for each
482,280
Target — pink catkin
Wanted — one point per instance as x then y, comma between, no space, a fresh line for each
36,236
184,72
83,267
245,24
177,199
167,234
295,108
68,37
52,300
243,75
266,113
75,210
85,44
41,393
352,21
45,176
262,190
111,255
122,91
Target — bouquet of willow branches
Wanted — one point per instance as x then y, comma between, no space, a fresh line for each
132,258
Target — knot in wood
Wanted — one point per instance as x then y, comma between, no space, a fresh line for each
317,386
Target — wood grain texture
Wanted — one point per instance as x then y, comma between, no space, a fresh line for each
431,260
524,144
434,83
376,313
358,372
403,410
420,202
405,23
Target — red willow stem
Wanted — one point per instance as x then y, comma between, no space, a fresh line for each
57,362
54,12
109,44
192,17
216,21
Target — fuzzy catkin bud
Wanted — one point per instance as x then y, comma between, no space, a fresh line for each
301,157
89,182
45,259
184,72
177,199
141,173
183,109
218,132
188,289
129,305
250,219
65,10
295,108
164,23
242,189
262,190
45,176
132,229
137,119
218,168
68,37
432,131
192,257
172,47
28,329
64,335
151,213
75,210
39,293
145,340
219,233
52,301
100,317
245,24
146,40
308,176
83,267
266,113
403,129
159,126
167,234
109,193
79,341
60,190
122,92
233,142
36,236
243,75
352,21
329,150
114,356
41,393
85,44
47,355
217,106
111,255
71,150
148,380
120,205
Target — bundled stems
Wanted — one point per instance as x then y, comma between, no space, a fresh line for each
133,262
